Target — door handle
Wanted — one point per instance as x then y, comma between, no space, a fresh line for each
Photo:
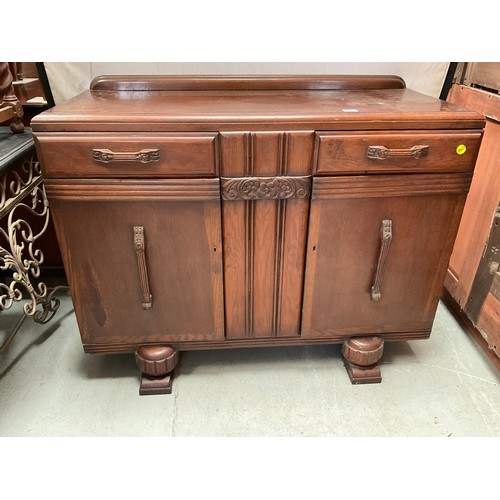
385,242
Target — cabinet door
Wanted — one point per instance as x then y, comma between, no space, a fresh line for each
124,241
377,254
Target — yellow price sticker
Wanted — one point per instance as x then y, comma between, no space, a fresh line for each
461,149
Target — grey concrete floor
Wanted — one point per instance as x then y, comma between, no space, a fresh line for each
443,386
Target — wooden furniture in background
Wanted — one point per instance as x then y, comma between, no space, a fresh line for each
482,75
16,70
473,278
32,88
238,211
11,109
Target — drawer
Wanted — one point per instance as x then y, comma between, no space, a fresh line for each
408,151
128,155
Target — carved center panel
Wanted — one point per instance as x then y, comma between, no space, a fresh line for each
265,188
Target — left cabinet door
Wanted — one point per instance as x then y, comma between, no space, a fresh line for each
143,258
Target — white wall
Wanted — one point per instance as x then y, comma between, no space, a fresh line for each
69,79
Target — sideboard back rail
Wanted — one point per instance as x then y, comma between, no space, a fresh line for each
246,82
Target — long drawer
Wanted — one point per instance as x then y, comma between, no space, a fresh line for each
398,152
128,155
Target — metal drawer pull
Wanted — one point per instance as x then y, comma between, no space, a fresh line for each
144,155
382,153
140,249
385,242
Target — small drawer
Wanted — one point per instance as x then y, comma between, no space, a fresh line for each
383,152
128,155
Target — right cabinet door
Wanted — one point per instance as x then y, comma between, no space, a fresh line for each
377,252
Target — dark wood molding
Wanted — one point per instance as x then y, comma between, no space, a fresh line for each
278,265
249,265
189,345
383,122
245,82
249,154
129,190
389,185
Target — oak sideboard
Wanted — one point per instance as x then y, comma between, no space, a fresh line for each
210,212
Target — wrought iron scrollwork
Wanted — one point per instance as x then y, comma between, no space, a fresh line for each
22,193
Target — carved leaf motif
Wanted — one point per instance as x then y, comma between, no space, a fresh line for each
265,188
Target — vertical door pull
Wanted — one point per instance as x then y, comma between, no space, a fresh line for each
385,242
140,251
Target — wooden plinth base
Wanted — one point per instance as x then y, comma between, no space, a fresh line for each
361,356
156,385
157,364
363,374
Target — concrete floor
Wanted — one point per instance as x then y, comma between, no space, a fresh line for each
444,386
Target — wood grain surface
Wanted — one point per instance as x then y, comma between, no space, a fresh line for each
260,211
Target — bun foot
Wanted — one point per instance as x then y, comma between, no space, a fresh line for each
361,356
156,364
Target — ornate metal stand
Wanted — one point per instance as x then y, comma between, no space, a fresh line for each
22,196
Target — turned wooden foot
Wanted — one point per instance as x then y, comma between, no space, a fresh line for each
9,98
16,125
360,358
156,364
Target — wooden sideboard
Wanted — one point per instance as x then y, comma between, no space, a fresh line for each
239,211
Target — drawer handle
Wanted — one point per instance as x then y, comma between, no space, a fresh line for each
382,153
385,242
140,251
144,155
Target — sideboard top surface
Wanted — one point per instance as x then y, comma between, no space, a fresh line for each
110,108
